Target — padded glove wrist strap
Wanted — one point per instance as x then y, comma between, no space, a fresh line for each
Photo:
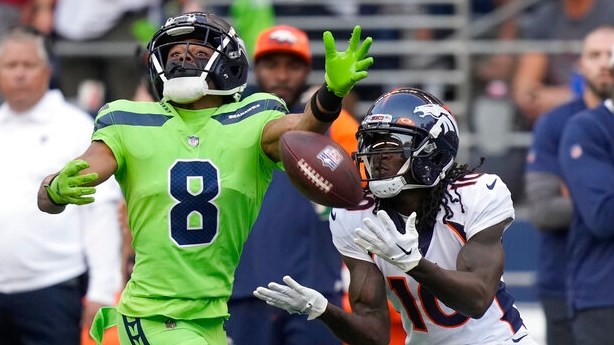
328,100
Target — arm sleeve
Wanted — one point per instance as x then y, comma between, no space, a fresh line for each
548,208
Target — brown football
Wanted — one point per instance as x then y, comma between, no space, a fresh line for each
321,169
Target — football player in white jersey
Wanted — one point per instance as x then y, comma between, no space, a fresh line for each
427,237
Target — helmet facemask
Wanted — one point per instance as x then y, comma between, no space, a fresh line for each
376,146
184,82
415,125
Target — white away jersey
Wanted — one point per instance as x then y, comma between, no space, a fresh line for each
426,320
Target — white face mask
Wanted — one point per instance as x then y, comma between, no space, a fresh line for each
184,90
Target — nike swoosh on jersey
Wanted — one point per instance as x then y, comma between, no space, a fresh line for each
403,249
492,185
333,215
519,339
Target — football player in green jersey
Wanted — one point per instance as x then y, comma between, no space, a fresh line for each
194,168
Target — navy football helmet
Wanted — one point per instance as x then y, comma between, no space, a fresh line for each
184,82
412,123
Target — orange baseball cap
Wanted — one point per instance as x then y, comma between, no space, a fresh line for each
283,39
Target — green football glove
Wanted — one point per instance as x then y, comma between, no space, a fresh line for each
65,188
344,69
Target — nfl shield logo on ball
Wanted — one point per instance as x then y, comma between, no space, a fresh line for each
330,157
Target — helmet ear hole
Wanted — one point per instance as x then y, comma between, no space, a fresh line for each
427,169
437,158
235,70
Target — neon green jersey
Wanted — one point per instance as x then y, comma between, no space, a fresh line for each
193,182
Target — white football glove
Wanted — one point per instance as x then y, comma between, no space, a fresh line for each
388,243
294,298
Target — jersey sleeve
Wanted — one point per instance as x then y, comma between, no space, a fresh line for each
107,133
343,224
271,107
488,201
116,122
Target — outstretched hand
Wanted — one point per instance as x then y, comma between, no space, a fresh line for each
388,243
293,298
66,187
344,69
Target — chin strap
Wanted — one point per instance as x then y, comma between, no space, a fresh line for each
387,188
391,187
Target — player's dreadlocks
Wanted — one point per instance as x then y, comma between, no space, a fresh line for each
440,195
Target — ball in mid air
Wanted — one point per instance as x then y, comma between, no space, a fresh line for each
321,169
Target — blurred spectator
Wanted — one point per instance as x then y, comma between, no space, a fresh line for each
250,18
543,81
548,203
37,13
496,67
49,263
586,157
27,12
10,13
176,7
492,115
291,233
103,75
497,114
500,65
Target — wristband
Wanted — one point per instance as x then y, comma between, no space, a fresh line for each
327,101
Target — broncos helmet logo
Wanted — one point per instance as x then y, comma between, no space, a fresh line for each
441,114
434,110
283,36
